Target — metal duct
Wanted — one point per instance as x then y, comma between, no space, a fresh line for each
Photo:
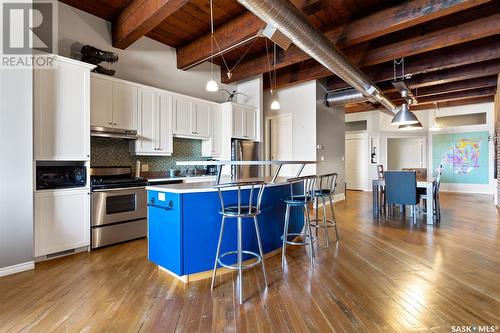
286,17
345,97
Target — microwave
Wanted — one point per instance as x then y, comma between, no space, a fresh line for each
52,175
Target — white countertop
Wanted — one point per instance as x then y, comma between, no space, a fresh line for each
200,177
192,163
200,187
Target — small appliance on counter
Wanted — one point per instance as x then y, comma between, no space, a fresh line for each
211,169
118,206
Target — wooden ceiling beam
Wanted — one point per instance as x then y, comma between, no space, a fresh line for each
372,26
452,57
354,108
453,96
140,17
482,82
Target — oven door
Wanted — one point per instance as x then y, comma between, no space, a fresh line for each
118,205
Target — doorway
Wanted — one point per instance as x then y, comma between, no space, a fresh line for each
355,162
279,143
405,153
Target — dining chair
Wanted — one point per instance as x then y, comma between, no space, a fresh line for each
401,189
435,194
380,173
421,172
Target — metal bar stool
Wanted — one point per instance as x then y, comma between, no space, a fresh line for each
326,189
243,209
299,200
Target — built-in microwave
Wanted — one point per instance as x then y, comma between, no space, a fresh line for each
57,175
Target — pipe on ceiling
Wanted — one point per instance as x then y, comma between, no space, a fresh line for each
290,21
345,97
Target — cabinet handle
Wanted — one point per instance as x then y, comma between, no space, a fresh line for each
114,124
110,123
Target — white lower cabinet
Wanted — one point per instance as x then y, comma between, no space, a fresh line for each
62,220
154,124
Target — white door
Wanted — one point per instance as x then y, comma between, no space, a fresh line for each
147,124
355,163
250,124
281,142
238,122
202,124
61,113
101,99
124,106
164,124
62,220
182,108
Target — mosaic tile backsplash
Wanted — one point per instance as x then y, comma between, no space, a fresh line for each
115,152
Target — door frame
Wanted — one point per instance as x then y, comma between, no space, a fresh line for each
267,137
395,136
366,149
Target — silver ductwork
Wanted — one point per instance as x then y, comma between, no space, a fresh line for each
291,22
345,97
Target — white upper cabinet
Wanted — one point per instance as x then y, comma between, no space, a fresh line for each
62,221
154,124
113,103
62,111
191,117
182,109
202,124
243,121
213,147
101,112
124,106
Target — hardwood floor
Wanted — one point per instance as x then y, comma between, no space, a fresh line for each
389,276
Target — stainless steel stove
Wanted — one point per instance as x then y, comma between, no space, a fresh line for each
119,206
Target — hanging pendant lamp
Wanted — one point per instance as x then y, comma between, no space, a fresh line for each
212,85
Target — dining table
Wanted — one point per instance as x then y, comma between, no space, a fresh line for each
427,184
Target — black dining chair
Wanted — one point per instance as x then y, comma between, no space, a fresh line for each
401,189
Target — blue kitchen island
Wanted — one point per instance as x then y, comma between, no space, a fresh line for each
184,225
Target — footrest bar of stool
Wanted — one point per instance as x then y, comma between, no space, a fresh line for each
235,266
298,243
329,224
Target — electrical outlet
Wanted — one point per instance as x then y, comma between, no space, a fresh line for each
145,167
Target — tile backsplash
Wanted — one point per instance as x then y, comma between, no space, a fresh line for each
115,152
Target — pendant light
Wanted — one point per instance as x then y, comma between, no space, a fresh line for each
275,105
410,127
212,86
435,126
404,116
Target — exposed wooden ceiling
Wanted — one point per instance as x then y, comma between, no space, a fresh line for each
451,49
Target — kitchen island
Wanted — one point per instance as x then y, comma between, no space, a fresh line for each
184,225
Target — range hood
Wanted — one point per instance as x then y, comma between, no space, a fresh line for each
117,133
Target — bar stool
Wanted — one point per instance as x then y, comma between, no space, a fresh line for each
326,189
299,200
240,210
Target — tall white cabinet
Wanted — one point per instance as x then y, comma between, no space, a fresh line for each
62,111
61,107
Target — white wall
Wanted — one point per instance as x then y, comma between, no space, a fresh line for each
299,101
16,170
146,61
404,153
379,126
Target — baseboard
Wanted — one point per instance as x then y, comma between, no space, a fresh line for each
25,266
336,198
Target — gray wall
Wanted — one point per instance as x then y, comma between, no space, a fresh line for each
16,174
330,134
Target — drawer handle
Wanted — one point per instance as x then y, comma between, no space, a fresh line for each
161,207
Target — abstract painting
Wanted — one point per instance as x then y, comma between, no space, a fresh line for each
464,157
